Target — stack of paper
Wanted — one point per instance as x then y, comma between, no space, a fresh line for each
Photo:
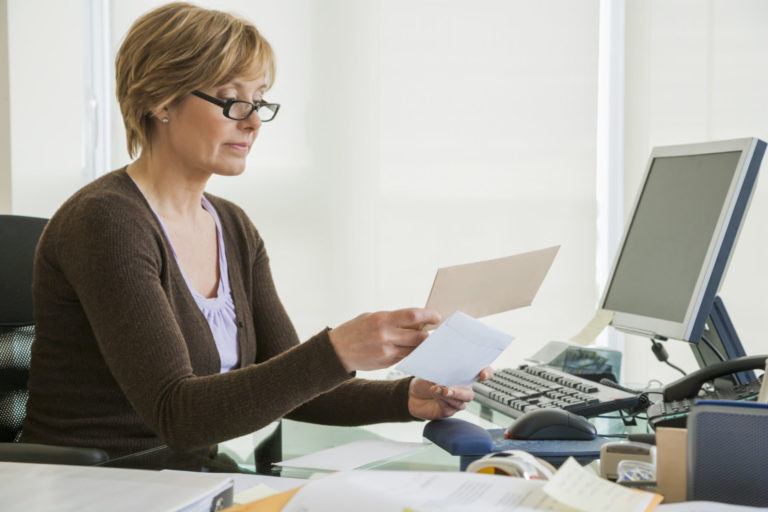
82,489
573,488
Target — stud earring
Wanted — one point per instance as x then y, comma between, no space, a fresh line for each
165,120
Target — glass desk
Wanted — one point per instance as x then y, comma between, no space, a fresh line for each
256,453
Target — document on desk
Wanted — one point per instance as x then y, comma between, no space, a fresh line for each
493,286
456,351
581,489
84,488
352,455
398,491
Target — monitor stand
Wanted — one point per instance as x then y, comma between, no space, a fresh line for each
719,331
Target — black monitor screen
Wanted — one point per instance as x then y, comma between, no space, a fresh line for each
671,230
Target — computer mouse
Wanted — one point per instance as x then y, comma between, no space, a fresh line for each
551,424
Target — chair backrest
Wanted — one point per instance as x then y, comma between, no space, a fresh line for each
15,347
18,240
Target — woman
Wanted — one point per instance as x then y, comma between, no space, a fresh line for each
157,318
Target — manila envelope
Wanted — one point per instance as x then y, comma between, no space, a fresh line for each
671,463
487,287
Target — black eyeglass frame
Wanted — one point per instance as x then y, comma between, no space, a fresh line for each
226,105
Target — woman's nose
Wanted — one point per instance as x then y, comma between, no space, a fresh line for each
253,121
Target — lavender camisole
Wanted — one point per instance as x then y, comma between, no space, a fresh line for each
218,311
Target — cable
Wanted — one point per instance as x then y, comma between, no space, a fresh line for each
648,386
712,348
612,384
662,355
676,367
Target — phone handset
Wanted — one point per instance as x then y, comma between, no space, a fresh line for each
689,386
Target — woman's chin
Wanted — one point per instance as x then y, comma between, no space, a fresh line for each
230,169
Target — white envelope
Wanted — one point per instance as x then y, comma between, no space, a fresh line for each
456,351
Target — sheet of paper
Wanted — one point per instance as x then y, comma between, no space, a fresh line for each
456,351
398,491
582,489
352,455
488,287
592,330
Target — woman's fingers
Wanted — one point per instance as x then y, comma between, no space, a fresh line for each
400,353
415,318
448,409
453,403
378,340
485,374
456,392
408,337
456,397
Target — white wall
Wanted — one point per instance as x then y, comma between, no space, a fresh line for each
47,110
5,133
696,72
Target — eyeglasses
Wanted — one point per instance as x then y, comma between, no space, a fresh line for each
239,110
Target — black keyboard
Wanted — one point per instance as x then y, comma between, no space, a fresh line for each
516,391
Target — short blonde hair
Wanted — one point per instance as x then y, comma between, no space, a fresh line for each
178,48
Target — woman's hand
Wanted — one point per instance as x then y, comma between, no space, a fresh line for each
429,401
378,340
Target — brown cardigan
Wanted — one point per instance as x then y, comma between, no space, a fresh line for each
124,360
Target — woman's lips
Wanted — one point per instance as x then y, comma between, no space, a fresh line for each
238,146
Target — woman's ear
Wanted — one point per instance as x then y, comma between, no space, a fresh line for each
160,113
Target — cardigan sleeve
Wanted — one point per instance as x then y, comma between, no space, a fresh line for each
354,402
113,262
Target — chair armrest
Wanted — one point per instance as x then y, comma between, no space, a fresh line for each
47,454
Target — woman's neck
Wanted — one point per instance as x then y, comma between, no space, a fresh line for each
173,191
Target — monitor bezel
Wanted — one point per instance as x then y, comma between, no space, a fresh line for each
714,266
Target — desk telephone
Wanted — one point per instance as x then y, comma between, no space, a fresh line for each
678,397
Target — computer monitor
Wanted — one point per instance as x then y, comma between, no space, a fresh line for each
677,244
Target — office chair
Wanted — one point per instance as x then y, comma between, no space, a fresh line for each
18,240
